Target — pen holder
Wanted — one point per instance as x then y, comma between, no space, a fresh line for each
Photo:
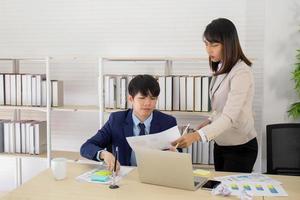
113,184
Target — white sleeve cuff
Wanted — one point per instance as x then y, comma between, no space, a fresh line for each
98,155
202,135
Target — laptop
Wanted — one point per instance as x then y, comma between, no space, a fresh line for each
166,168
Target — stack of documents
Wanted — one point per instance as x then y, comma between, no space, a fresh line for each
257,184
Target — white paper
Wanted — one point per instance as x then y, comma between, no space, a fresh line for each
255,188
254,183
253,177
86,177
161,140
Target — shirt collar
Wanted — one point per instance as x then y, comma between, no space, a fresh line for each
219,66
147,122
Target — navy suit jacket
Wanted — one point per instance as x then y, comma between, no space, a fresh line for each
116,129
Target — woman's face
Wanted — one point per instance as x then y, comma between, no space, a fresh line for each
214,50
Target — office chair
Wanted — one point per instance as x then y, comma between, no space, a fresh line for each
283,149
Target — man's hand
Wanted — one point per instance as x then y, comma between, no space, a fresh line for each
187,139
109,160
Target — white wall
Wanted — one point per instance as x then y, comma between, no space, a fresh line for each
93,28
115,27
282,38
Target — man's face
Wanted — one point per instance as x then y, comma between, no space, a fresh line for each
142,106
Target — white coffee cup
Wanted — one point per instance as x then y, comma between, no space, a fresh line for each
59,168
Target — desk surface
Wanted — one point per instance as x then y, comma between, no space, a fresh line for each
45,187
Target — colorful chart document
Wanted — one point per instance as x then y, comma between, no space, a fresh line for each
253,177
256,188
256,184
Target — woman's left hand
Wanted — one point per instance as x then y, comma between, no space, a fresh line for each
186,140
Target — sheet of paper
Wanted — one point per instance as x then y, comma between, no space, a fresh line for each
86,177
257,184
253,177
160,140
255,188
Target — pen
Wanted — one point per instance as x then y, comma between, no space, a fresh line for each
116,158
113,185
184,132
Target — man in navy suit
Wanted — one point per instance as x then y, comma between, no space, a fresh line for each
140,120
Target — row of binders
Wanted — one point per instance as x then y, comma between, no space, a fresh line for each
201,152
184,93
29,90
26,136
177,93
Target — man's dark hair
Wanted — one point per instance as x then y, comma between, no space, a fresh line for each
145,84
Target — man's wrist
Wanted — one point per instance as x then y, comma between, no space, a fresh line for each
100,155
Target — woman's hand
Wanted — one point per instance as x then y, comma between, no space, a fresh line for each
186,140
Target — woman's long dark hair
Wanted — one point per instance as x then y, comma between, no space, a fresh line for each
223,31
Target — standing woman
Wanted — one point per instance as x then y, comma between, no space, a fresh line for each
231,125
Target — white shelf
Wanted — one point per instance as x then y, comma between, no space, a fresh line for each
66,108
41,109
183,59
91,108
25,59
23,155
190,113
69,155
176,113
76,108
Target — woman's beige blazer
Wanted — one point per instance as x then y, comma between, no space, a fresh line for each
231,101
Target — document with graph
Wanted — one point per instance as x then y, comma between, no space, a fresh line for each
254,183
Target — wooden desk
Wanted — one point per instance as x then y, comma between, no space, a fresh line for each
44,187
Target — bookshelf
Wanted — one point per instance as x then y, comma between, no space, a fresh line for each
44,159
167,71
201,153
21,167
20,160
